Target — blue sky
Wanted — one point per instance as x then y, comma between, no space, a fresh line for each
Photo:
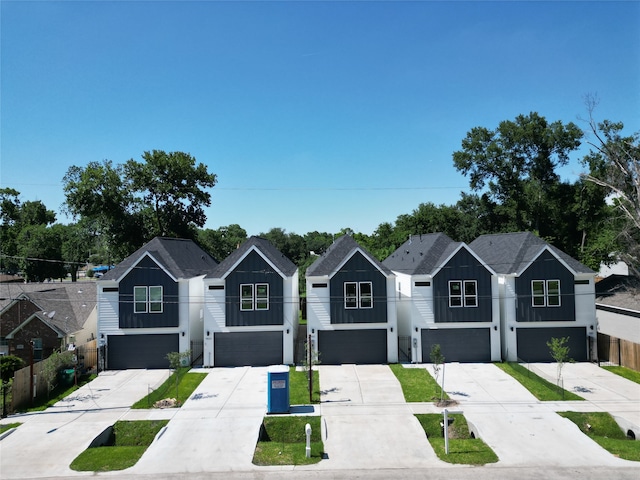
313,115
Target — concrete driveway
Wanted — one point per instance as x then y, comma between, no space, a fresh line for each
49,441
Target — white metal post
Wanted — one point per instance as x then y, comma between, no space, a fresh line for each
307,430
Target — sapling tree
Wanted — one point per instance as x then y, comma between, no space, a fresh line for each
311,358
437,359
177,360
559,349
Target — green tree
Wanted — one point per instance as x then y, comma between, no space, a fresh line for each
516,164
221,242
40,252
77,242
559,350
437,359
614,165
8,365
178,360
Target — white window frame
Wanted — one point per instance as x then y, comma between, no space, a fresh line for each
257,303
463,298
358,299
546,296
150,305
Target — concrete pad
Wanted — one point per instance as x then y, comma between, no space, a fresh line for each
339,383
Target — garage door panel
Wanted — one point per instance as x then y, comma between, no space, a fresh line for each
458,345
532,343
352,346
140,351
237,349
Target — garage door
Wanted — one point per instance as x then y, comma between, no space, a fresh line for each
532,343
459,344
352,346
251,348
140,351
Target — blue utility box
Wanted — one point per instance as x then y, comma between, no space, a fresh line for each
278,389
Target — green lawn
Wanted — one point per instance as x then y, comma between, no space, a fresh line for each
462,448
299,387
539,387
187,382
9,426
603,429
625,372
60,392
417,384
283,441
131,440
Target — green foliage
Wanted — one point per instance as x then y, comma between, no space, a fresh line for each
417,385
462,448
8,365
437,359
52,365
282,441
9,426
603,429
221,242
559,349
131,441
58,393
624,372
539,387
299,387
186,382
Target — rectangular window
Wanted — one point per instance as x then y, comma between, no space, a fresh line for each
350,295
423,284
155,299
139,299
545,293
358,295
463,293
254,296
246,297
147,299
37,349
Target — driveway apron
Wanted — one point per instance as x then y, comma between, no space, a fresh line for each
49,441
367,423
217,427
519,428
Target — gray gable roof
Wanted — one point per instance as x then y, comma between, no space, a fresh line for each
340,250
619,291
421,254
275,256
182,258
513,252
66,305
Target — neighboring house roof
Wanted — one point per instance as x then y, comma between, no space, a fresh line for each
344,247
513,252
65,305
4,278
275,256
421,254
620,291
182,258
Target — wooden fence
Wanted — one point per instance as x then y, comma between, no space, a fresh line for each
87,356
616,351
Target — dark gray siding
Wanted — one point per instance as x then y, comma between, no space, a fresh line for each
140,351
352,346
532,343
148,273
458,345
463,266
359,269
254,269
237,349
546,267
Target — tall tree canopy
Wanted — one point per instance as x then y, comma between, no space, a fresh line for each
164,195
614,165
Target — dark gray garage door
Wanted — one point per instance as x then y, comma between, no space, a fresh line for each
459,344
140,351
352,346
237,349
532,343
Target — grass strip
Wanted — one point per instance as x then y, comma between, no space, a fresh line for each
9,426
180,385
299,387
603,429
463,449
60,392
538,386
624,372
282,441
417,384
131,440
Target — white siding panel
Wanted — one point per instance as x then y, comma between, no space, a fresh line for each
108,313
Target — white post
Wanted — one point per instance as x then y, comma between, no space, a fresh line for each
307,430
446,428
